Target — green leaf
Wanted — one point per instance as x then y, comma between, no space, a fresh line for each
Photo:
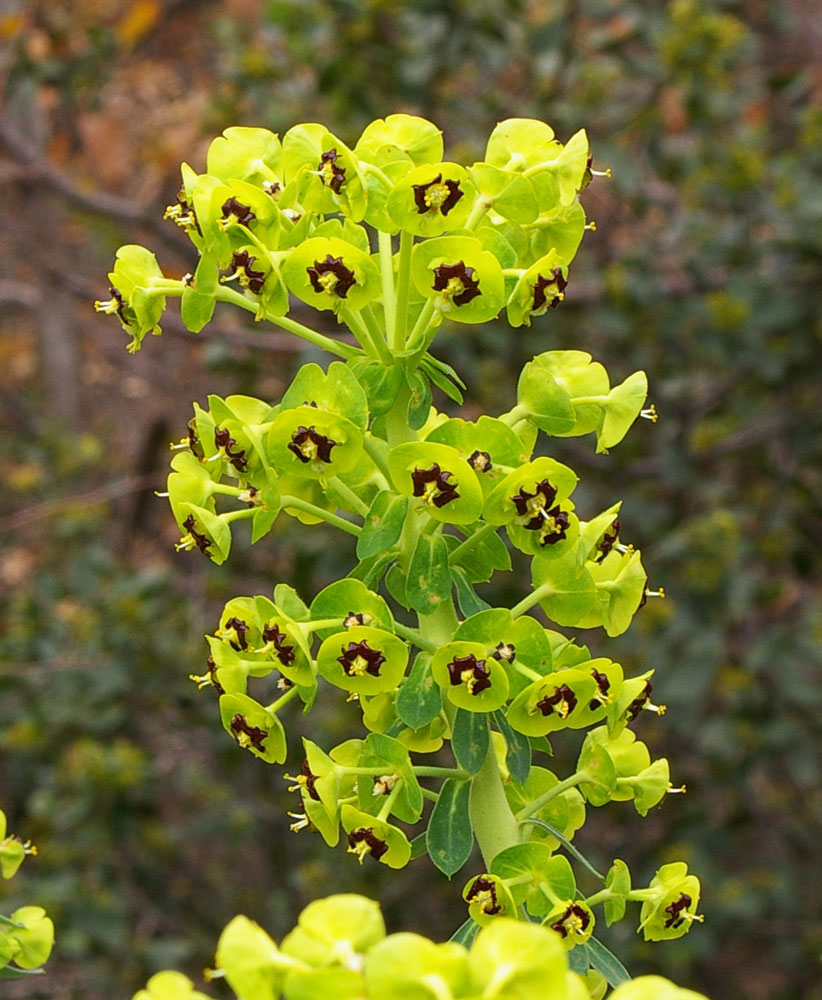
605,962
572,590
518,758
419,700
11,973
381,384
465,933
470,603
196,308
441,380
350,596
567,845
290,603
383,524
395,581
336,390
485,557
470,739
428,581
578,960
415,137
450,837
418,846
419,405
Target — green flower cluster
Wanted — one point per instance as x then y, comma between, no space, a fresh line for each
339,950
26,935
393,240
272,218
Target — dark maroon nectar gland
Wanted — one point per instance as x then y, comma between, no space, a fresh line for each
548,292
304,780
554,527
242,213
246,735
360,659
573,922
533,506
471,672
562,702
242,270
484,892
240,630
604,686
331,276
609,540
678,911
236,456
116,304
437,195
285,652
365,841
209,678
310,446
505,651
192,537
331,173
432,485
456,282
480,461
182,214
644,702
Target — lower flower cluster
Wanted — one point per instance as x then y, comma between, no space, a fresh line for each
339,949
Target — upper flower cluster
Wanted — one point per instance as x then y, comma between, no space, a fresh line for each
336,227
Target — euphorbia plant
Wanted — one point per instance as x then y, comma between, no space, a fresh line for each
459,699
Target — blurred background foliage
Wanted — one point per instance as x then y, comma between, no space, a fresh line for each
705,270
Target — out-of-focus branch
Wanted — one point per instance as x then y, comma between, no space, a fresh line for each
110,491
33,168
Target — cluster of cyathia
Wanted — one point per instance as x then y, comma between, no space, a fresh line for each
392,241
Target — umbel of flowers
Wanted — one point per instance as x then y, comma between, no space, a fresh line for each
460,700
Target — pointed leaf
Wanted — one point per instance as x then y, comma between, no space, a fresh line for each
419,700
605,962
428,581
450,836
383,524
469,739
518,758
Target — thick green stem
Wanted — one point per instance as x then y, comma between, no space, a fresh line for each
275,706
531,599
403,280
389,301
421,326
543,800
223,294
349,496
396,420
514,416
431,771
297,503
373,344
471,541
385,811
495,826
413,636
